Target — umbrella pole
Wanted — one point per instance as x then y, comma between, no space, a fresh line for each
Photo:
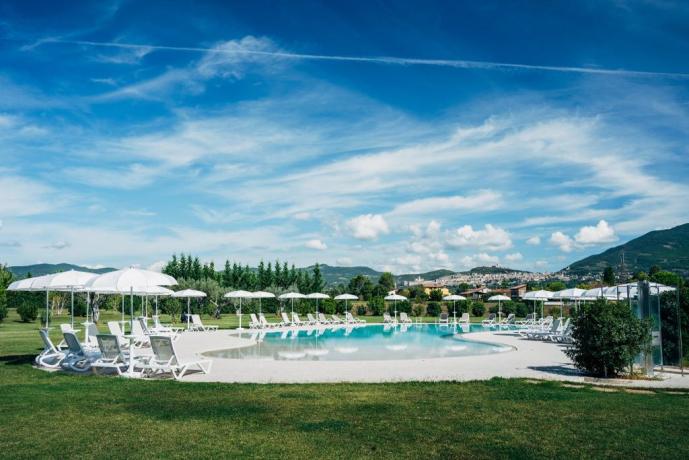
240,313
86,331
47,309
130,370
72,292
188,311
122,310
499,311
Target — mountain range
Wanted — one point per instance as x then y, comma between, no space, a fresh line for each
668,249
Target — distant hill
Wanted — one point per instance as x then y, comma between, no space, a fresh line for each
20,271
669,249
493,270
432,275
342,275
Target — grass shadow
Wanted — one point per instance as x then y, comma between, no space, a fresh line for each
17,360
559,370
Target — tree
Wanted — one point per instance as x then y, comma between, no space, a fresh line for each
436,295
607,338
653,270
5,280
261,275
609,276
666,278
277,277
317,282
387,281
227,274
555,286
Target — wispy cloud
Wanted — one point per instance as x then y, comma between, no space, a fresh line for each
389,60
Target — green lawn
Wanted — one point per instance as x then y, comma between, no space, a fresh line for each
47,415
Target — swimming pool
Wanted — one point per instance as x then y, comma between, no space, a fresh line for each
365,343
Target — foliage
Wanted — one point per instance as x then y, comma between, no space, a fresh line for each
436,295
666,278
671,322
418,293
404,306
607,337
433,309
555,286
5,280
361,309
377,306
417,309
172,306
609,276
387,281
27,311
477,309
328,306
361,286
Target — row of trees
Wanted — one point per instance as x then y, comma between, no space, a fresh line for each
278,275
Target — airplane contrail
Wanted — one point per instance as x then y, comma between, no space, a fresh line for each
456,63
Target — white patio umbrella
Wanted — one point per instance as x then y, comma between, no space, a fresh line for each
262,295
239,295
454,298
130,280
188,293
395,298
71,280
346,298
499,299
26,285
317,296
291,296
541,295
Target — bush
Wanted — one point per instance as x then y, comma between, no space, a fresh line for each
436,295
403,307
3,311
417,309
328,306
28,311
520,309
478,309
172,306
361,309
433,309
555,311
377,306
607,337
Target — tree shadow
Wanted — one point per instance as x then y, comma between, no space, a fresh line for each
17,360
561,369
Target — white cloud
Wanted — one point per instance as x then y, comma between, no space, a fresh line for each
302,215
368,226
598,234
491,238
586,236
26,197
479,260
534,241
564,242
316,244
514,257
157,266
485,200
59,245
344,261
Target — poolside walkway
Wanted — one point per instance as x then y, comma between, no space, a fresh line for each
530,359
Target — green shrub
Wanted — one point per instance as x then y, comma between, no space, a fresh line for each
433,309
27,311
555,311
520,309
361,309
377,306
404,307
3,310
173,307
477,309
417,309
607,337
436,295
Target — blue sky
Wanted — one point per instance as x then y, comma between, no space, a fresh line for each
403,136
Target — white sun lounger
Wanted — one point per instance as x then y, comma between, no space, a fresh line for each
78,359
198,325
50,357
490,321
444,318
112,356
404,318
266,324
464,319
165,360
297,321
285,319
323,320
353,319
337,320
312,321
254,323
66,327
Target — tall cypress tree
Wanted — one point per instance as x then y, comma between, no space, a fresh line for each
196,270
227,274
317,282
277,276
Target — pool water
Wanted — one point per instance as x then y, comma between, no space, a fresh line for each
369,343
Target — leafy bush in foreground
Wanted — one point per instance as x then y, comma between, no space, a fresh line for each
28,311
478,309
607,337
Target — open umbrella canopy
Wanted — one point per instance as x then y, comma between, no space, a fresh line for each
66,280
537,295
263,295
239,295
569,294
188,293
291,295
128,279
454,298
21,285
346,297
395,297
499,298
317,295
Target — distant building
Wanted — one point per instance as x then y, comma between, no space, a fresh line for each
516,292
476,293
429,286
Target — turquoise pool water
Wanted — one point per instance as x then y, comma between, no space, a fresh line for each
368,343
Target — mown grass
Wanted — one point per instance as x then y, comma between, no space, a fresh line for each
50,415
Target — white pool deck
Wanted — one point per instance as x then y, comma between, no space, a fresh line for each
530,359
